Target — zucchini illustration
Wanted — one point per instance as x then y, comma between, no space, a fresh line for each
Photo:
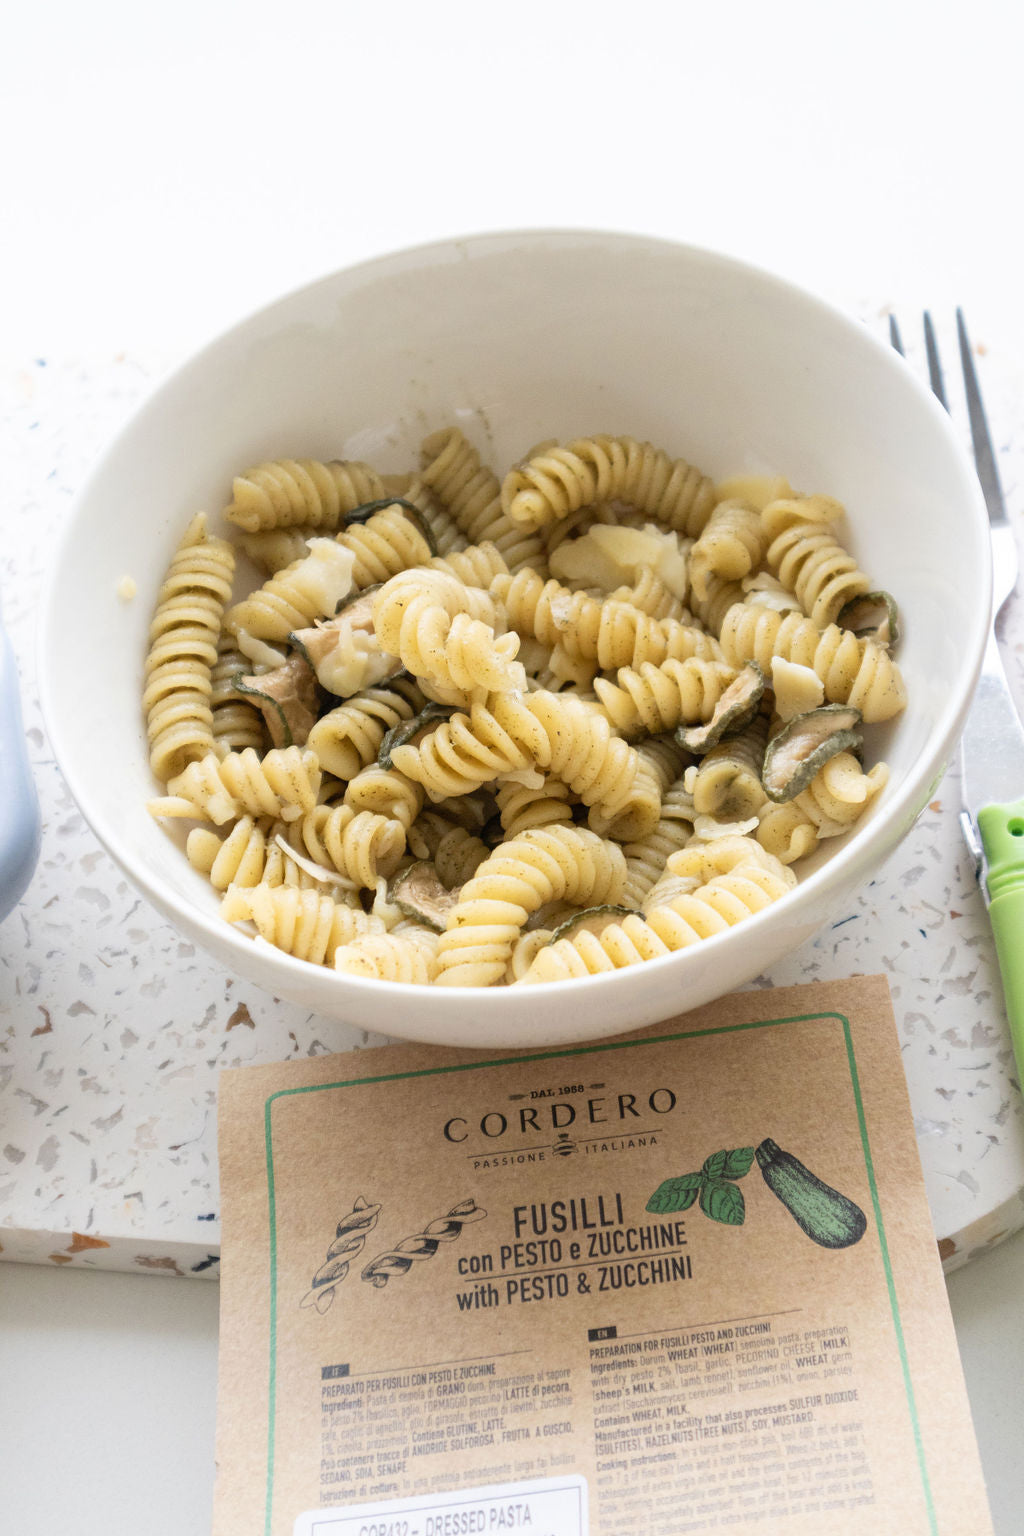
828,1218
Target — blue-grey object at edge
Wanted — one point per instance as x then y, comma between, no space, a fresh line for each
19,808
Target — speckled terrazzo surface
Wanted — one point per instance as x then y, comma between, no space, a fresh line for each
113,1030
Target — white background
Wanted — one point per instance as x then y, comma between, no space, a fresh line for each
166,168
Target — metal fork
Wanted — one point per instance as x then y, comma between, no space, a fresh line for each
992,745
1004,546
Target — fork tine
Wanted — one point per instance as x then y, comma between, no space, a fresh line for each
984,457
931,347
895,339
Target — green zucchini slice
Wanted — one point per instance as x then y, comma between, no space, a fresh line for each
734,710
872,616
591,920
420,894
805,744
363,513
406,730
288,697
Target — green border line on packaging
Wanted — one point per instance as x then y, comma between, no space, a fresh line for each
592,1050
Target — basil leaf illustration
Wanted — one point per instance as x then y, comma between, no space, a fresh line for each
676,1194
723,1202
729,1165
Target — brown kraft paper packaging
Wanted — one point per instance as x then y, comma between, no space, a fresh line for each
678,1281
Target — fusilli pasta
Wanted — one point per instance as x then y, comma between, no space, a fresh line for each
183,640
492,750
592,469
285,492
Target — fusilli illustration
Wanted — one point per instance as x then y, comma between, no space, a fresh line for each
422,1245
349,1238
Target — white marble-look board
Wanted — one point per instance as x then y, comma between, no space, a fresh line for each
113,1029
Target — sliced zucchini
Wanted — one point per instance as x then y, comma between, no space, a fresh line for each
288,698
420,894
592,920
872,616
406,730
804,745
363,513
734,710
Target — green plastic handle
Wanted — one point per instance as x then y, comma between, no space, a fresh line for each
1002,835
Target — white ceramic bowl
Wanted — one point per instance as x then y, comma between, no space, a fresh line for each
519,337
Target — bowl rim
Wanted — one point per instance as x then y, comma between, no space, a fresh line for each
847,865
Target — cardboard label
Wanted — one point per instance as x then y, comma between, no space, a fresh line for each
553,1507
679,1281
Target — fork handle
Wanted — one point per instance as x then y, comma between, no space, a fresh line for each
1002,835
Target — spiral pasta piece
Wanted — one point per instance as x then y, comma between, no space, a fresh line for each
558,481
660,761
472,494
724,901
786,510
360,845
476,565
629,942
284,492
253,853
647,857
855,672
704,861
650,700
539,866
471,749
388,542
611,633
445,632
305,924
839,794
445,531
522,806
524,952
731,545
310,588
238,859
599,767
385,792
714,908
786,831
283,783
347,738
409,957
811,562
236,722
183,640
711,609
651,596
